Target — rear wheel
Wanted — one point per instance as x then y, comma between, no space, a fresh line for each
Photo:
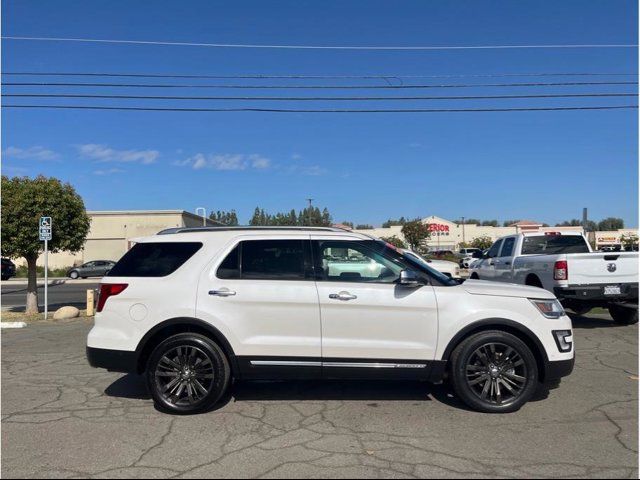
187,373
624,315
494,372
474,276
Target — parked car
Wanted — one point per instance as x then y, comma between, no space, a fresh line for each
8,269
194,310
95,268
467,252
450,269
466,262
564,264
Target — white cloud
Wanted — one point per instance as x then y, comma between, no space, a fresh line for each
225,161
310,170
109,171
103,153
296,156
31,153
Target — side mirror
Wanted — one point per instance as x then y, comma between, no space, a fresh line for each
409,278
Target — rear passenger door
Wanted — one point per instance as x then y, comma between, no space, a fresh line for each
262,293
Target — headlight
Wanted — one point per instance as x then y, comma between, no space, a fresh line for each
548,308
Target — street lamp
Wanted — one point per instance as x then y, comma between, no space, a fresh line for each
203,215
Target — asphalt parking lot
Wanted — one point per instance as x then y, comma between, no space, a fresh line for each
61,418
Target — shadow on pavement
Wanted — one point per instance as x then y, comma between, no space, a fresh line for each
588,321
133,387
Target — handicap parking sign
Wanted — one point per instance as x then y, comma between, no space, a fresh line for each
45,228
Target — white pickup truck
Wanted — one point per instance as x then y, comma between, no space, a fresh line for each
564,264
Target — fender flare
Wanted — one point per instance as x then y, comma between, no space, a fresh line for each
488,324
189,324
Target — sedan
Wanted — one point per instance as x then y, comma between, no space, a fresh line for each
95,268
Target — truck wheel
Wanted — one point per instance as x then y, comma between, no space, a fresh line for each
624,315
494,372
187,373
580,309
474,276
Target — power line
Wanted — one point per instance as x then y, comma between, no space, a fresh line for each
307,87
283,110
294,76
316,47
168,97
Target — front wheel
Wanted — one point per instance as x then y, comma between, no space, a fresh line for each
73,275
624,315
494,372
187,373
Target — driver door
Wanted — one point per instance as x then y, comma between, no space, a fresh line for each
371,325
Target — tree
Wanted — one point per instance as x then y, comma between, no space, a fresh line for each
24,201
347,224
415,233
364,226
574,222
482,243
472,221
226,218
610,223
629,242
508,223
490,223
393,223
395,241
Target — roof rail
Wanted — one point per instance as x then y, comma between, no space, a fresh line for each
168,231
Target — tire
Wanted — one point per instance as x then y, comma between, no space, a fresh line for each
534,282
474,378
73,275
5,277
195,391
624,315
474,276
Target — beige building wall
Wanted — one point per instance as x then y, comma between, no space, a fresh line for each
112,233
448,235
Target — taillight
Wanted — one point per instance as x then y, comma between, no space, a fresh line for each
561,270
109,290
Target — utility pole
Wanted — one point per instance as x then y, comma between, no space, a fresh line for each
463,239
310,200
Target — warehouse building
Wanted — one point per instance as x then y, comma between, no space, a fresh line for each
112,232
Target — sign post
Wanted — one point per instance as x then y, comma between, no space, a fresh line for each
45,234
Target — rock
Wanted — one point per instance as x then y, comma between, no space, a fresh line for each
64,313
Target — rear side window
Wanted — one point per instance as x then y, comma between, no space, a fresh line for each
154,259
267,260
553,244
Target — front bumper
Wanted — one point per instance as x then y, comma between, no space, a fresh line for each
595,293
113,360
554,371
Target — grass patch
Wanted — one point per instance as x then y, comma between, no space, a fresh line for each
21,272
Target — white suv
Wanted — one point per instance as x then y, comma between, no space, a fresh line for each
195,308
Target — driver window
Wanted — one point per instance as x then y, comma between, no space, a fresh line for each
495,248
343,261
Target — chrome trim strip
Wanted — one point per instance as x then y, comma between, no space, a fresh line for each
373,365
279,363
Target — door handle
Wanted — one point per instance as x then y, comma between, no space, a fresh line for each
342,296
223,292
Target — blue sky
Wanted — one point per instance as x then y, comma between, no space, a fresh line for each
366,167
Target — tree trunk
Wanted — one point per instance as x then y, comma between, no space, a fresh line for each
32,285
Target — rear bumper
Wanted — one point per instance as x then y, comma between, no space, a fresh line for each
113,360
595,293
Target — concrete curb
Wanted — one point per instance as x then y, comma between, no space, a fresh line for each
12,324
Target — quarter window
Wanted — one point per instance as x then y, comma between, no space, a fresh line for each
154,259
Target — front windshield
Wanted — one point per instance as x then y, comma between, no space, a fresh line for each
415,262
